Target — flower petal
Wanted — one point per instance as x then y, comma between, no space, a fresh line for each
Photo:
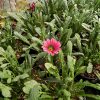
54,43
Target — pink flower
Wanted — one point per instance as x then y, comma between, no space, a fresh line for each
51,46
32,6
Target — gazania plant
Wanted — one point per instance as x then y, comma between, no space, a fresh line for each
50,50
51,46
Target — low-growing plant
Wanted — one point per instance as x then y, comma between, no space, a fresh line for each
46,46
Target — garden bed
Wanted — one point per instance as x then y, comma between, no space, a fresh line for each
50,50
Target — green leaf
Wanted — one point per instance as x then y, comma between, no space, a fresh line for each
16,78
66,94
69,33
80,70
71,62
66,3
63,64
89,68
5,90
23,38
2,51
96,86
29,85
78,87
12,52
60,99
66,36
51,24
45,96
78,40
36,40
98,75
77,54
1,59
57,19
11,57
99,44
33,46
69,48
52,70
38,30
15,16
87,27
96,97
35,93
23,76
9,80
5,74
4,65
68,79
45,87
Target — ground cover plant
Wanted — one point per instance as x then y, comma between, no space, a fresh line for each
50,50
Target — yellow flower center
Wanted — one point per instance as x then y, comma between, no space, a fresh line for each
50,48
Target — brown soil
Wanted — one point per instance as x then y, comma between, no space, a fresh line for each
92,75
